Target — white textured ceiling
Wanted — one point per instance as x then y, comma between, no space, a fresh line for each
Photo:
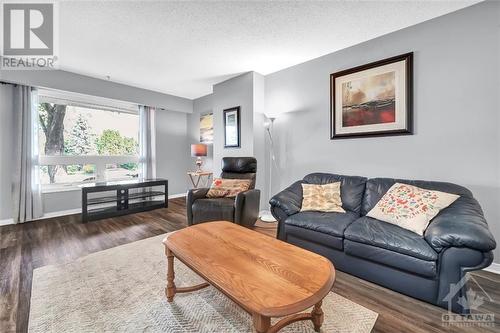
183,48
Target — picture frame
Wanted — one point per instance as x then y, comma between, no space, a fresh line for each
375,99
232,127
207,128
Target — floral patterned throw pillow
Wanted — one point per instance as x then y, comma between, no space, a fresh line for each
411,207
321,198
228,187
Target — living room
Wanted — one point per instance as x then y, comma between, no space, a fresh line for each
250,166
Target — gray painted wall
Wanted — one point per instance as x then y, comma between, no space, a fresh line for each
237,91
456,108
173,156
82,84
246,91
55,202
201,106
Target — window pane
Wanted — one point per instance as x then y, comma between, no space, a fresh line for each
76,131
66,174
122,171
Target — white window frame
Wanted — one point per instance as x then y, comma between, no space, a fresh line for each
100,161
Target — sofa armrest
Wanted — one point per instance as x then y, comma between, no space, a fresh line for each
289,200
246,210
280,216
460,225
191,197
454,263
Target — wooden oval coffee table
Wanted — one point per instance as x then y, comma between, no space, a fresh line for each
265,276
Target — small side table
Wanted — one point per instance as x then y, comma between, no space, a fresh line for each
204,176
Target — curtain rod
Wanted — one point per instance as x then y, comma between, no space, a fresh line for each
90,104
3,82
155,107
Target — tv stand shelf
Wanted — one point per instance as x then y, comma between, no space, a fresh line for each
124,201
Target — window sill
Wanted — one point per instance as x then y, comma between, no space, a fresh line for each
57,189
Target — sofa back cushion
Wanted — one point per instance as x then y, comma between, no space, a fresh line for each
240,168
351,188
377,187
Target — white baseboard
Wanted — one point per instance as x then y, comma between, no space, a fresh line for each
179,195
60,213
46,216
73,211
6,222
493,268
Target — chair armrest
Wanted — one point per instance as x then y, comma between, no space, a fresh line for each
192,196
289,200
462,224
246,207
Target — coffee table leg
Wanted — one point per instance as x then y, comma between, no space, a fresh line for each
261,323
317,316
171,289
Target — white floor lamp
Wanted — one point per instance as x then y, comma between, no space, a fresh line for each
265,215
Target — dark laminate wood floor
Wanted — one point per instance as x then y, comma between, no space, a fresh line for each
27,246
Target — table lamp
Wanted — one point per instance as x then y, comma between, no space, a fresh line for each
198,150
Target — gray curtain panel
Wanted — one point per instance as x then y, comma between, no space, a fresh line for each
6,150
26,186
147,142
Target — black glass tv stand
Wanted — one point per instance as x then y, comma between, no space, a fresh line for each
103,200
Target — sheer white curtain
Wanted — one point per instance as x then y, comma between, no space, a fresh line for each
147,145
26,189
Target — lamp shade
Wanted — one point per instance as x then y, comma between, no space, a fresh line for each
198,149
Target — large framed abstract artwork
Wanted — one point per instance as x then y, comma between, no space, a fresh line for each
232,127
375,99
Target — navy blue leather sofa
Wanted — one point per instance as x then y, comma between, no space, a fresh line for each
429,268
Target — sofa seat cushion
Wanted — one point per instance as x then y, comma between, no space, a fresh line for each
391,259
331,223
314,239
215,209
369,231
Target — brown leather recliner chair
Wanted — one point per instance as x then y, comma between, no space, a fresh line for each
243,209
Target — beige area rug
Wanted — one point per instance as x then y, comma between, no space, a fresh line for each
122,290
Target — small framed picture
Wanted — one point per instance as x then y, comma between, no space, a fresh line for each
375,99
207,128
232,127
